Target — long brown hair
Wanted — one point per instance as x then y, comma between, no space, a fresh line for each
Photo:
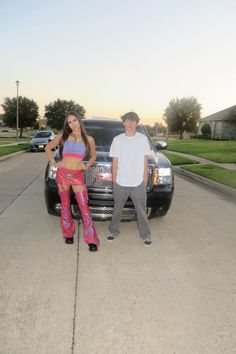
67,131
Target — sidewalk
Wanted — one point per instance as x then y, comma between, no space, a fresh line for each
228,166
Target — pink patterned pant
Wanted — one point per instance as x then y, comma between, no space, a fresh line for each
66,178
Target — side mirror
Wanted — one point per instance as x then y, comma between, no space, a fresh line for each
161,145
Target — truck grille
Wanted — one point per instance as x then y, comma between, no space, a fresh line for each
105,213
99,176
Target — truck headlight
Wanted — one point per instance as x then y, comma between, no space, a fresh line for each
52,171
162,175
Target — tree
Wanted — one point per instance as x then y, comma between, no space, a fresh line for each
56,111
149,129
159,128
232,115
206,130
28,112
1,120
36,125
182,115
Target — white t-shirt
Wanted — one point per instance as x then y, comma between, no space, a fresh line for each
130,151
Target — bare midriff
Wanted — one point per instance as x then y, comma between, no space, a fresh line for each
71,163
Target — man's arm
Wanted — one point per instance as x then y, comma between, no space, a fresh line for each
114,168
145,173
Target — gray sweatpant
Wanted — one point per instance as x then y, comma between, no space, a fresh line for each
139,197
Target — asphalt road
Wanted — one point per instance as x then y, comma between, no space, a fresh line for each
176,297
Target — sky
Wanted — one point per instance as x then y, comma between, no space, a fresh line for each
112,57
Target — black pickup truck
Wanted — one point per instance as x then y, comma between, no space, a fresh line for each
160,186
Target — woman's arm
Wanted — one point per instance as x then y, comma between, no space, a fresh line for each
93,154
50,146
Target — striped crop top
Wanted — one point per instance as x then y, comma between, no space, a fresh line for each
74,149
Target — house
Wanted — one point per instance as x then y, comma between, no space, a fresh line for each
222,123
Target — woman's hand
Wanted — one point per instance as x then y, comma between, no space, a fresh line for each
50,146
83,166
59,164
55,163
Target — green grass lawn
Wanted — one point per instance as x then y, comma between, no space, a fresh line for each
4,141
177,159
11,141
6,150
215,173
218,151
7,141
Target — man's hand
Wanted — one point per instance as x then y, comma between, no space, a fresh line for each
145,175
145,180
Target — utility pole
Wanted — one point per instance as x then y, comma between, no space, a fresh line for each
17,108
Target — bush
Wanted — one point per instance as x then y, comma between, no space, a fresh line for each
206,130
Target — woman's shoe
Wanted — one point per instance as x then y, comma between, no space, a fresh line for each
69,240
92,247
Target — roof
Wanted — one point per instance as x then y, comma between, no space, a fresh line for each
225,114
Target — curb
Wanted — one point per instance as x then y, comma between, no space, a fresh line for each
2,158
214,186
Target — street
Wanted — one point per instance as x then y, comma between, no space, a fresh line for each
178,296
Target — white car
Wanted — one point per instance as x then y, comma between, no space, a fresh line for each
5,130
41,139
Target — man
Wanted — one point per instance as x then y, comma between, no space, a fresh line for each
129,152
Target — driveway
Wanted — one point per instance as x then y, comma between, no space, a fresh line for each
177,296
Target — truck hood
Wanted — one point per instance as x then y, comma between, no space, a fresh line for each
156,158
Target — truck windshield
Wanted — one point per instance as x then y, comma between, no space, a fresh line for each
104,132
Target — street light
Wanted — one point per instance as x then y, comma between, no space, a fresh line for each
17,109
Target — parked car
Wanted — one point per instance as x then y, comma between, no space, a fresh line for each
161,144
41,139
98,177
5,130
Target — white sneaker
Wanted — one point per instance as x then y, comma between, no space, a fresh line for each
147,242
111,237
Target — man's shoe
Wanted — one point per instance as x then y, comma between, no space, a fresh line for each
69,240
92,247
111,237
147,242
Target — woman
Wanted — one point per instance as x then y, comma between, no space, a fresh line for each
74,145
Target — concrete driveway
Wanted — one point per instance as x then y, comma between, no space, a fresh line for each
177,296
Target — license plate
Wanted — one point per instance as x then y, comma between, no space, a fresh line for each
104,176
41,146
